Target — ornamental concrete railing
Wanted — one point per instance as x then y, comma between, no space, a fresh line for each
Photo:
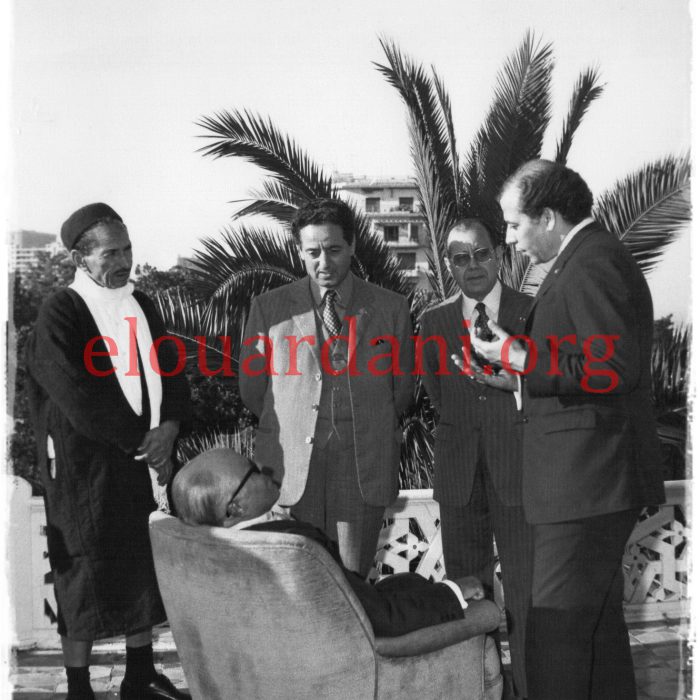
655,563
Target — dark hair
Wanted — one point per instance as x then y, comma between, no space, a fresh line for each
544,184
325,211
85,242
471,221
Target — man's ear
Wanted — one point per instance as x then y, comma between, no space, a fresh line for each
550,218
234,514
77,257
499,251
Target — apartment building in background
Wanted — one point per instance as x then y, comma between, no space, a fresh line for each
391,205
26,246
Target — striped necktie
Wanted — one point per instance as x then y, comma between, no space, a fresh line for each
330,315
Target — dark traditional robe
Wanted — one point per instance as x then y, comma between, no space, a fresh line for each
99,499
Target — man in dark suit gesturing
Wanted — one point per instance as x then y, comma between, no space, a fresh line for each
478,449
590,454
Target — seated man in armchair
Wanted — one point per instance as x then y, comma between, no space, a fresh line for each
222,488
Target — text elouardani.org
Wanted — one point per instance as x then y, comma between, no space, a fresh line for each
264,362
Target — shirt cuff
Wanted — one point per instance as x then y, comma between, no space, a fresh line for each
518,394
455,589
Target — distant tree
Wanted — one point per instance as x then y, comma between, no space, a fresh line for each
217,406
152,281
29,289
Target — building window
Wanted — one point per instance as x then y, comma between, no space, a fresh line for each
372,205
413,232
391,234
407,261
405,203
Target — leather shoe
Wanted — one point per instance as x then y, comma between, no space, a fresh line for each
160,688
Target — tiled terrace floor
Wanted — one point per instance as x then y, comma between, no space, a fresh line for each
658,648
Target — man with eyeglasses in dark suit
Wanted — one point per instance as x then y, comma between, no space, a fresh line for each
478,450
222,488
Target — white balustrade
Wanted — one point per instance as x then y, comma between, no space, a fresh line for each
655,564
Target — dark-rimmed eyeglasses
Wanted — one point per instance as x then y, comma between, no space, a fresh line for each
483,255
253,469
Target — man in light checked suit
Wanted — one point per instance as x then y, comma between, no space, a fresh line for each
326,366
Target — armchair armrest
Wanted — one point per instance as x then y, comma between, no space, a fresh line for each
480,617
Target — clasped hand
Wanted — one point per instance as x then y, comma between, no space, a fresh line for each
157,447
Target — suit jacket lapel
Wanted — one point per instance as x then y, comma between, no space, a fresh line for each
449,324
303,314
509,317
560,263
361,306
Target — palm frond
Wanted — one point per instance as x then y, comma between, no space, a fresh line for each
180,311
514,268
417,451
534,276
242,263
246,135
513,129
585,92
433,151
446,113
239,440
647,209
420,301
438,216
428,109
669,369
183,316
274,200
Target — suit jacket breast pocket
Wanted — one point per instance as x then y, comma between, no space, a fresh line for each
378,358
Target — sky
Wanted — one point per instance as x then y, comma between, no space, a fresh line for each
105,98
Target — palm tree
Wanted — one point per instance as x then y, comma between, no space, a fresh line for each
645,210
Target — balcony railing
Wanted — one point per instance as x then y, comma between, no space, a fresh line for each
655,563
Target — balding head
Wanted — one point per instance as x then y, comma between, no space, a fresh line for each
204,489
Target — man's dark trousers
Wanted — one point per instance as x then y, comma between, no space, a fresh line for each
577,610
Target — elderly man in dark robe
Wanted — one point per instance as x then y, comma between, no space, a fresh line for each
107,406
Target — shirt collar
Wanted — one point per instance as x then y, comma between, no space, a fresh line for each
580,225
275,513
344,290
492,302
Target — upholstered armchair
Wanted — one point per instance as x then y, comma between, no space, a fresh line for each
264,616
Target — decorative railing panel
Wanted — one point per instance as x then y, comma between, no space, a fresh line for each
655,564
